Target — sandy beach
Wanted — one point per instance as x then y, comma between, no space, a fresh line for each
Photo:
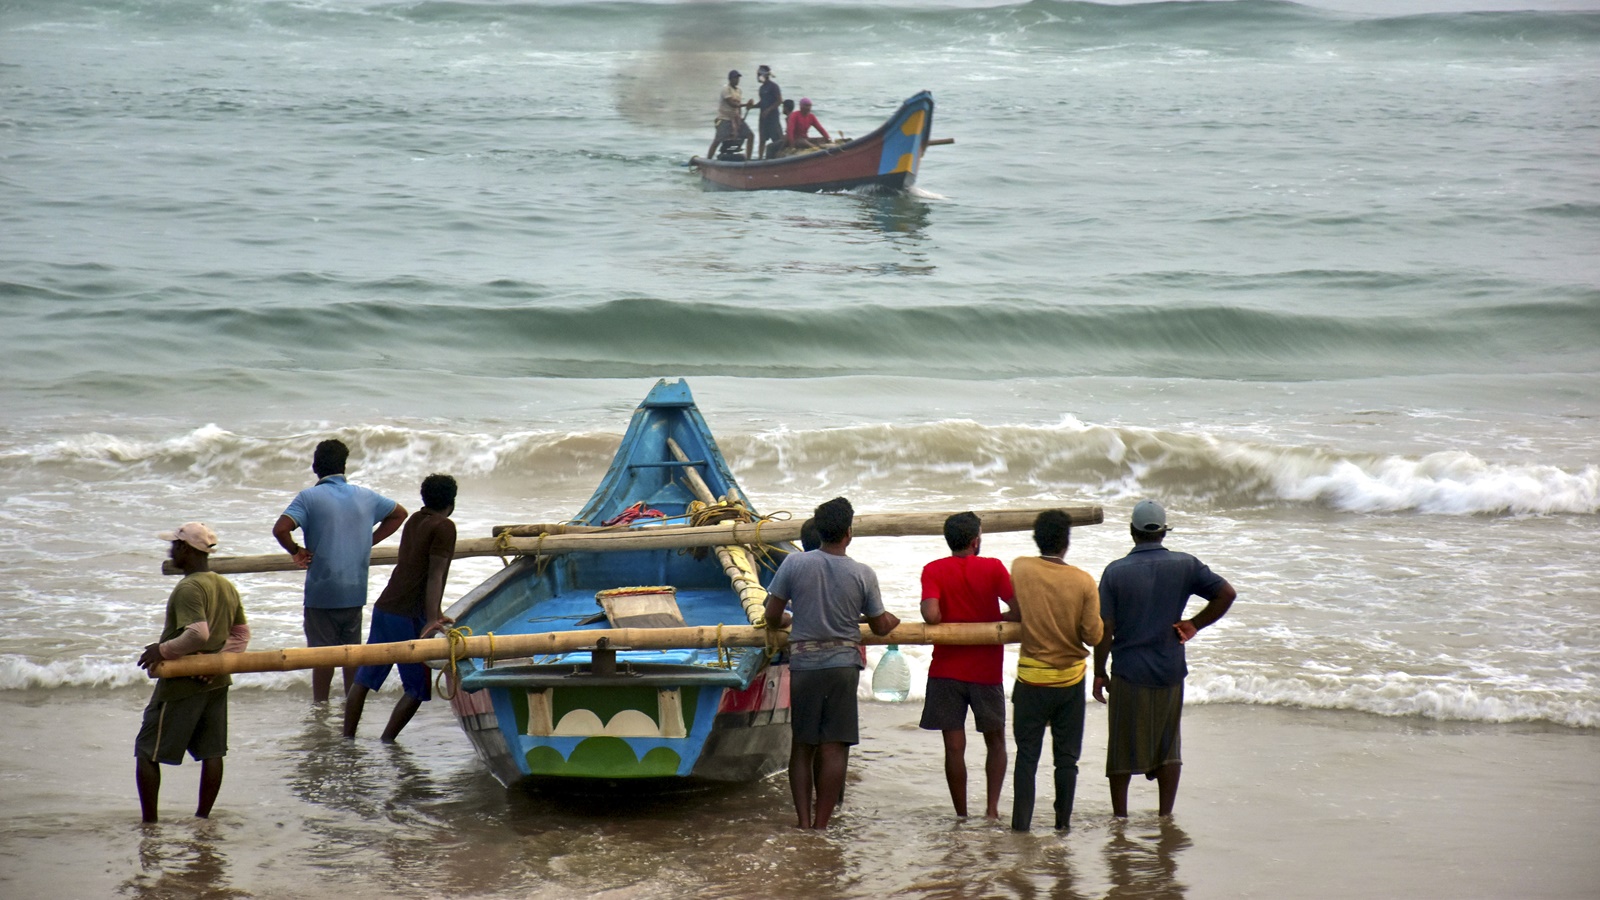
1275,803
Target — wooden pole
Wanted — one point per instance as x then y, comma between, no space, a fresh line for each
509,646
735,559
673,537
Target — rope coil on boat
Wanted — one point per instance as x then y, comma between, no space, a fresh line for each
737,560
458,651
509,551
502,542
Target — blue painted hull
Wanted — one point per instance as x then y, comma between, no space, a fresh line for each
665,719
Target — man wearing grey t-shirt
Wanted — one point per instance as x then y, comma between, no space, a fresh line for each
831,594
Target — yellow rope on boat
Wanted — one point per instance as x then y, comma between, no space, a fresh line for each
502,542
458,651
740,561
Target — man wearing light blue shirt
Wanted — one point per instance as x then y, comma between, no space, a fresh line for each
337,518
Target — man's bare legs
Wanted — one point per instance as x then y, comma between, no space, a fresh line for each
1166,778
404,709
147,775
955,767
802,759
994,770
1167,786
816,774
322,682
832,761
816,779
210,785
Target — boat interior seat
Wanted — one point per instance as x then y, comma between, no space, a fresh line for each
641,607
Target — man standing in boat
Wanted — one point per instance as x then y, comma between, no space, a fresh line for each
1142,600
771,117
831,594
730,122
337,519
967,587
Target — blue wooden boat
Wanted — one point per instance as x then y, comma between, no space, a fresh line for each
613,718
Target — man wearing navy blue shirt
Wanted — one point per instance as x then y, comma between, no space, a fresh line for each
337,518
1142,601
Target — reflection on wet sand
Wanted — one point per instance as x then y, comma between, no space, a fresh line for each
189,867
1142,860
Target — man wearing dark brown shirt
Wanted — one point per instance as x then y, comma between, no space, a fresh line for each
410,606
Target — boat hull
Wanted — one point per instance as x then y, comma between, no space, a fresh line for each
887,159
654,720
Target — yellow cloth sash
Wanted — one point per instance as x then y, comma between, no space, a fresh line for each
1032,671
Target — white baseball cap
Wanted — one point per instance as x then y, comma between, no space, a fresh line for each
196,534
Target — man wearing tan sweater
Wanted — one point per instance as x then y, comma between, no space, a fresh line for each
1060,624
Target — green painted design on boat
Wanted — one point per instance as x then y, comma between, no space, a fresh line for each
603,757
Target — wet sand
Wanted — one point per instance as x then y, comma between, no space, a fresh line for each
1274,803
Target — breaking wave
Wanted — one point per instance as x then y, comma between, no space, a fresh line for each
924,460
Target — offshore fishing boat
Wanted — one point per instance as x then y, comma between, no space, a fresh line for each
610,717
886,159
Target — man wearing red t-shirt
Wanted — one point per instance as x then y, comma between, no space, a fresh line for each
966,587
801,121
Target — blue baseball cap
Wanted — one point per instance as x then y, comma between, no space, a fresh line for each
1148,516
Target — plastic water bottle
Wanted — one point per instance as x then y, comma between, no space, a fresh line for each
891,678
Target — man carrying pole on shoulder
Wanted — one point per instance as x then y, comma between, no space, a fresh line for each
204,615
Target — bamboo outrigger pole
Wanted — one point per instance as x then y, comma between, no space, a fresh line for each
514,539
737,562
511,646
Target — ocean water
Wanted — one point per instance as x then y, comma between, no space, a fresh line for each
1322,278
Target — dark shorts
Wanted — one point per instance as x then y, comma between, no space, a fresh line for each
1142,728
332,627
731,129
772,127
197,724
822,705
388,628
947,701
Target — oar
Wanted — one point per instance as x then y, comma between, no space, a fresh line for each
511,646
671,537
